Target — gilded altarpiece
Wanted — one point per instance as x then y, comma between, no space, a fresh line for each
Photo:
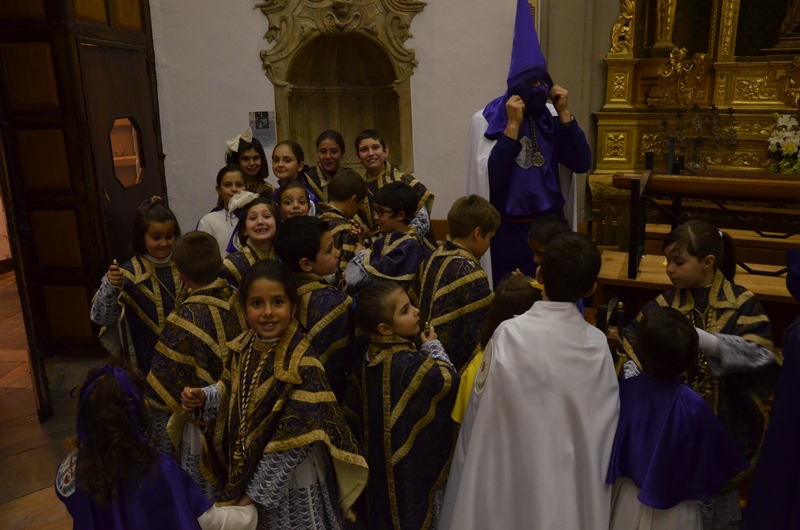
661,62
342,64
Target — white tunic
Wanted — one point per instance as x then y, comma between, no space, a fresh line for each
534,448
219,224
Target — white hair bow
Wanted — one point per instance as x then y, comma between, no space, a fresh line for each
233,143
241,199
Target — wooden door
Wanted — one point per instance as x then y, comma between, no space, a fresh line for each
51,211
55,119
123,128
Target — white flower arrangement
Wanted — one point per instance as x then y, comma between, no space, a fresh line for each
784,144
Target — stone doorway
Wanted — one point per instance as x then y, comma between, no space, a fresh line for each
342,65
343,83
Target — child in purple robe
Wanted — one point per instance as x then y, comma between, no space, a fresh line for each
396,253
116,479
774,498
670,450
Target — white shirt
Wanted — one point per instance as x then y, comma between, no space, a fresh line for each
219,224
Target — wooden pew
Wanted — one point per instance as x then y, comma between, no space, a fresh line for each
652,280
709,185
750,247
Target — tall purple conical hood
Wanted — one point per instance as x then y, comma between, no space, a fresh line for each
527,66
527,60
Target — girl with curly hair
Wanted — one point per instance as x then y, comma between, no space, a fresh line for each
116,479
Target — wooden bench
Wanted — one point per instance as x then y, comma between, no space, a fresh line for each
652,280
750,247
714,186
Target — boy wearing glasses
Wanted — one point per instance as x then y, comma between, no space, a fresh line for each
395,253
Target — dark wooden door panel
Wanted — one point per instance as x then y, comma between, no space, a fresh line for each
117,88
70,69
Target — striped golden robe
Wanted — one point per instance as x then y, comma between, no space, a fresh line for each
388,175
324,313
317,180
289,405
399,401
150,292
341,228
192,350
236,264
396,256
452,293
738,398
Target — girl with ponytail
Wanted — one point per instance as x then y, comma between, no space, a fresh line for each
736,369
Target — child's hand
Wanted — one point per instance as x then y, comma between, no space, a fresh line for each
192,399
244,500
357,233
516,272
428,335
114,276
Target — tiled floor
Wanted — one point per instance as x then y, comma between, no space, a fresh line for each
31,451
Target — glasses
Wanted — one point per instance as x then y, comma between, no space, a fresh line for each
380,212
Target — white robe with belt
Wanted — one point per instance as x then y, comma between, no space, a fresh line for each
534,448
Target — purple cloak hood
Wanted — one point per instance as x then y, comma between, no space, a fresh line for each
527,66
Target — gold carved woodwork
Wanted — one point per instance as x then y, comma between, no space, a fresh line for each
743,160
689,75
722,85
615,145
665,19
730,11
643,88
651,142
792,86
619,86
621,33
754,89
620,81
753,128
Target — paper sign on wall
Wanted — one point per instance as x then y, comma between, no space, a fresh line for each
264,128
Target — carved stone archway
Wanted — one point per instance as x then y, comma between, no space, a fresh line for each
342,64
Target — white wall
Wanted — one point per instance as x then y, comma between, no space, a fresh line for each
463,48
210,77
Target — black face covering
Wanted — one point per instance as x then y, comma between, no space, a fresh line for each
535,98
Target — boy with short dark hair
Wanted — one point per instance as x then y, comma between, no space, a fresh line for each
305,245
547,380
346,191
396,254
192,349
458,314
543,230
373,153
